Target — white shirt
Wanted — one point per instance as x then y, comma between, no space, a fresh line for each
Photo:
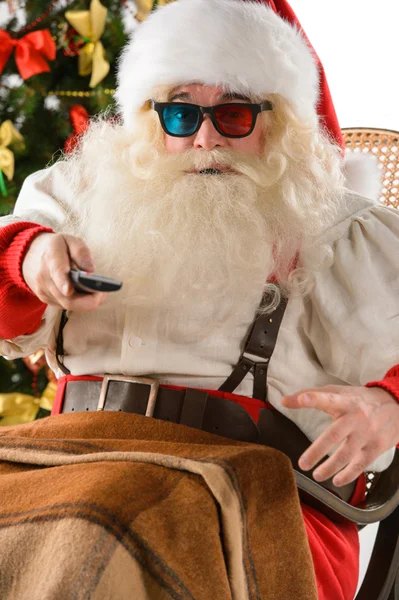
345,332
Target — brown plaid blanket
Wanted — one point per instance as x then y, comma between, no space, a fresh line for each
118,506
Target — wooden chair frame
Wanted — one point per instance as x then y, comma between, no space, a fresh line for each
381,581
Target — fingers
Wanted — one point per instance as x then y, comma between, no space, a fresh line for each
325,443
50,294
353,470
348,435
344,465
63,250
84,302
58,267
47,291
353,457
330,400
358,448
345,434
338,461
79,253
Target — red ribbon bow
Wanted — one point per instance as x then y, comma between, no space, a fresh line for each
31,51
80,121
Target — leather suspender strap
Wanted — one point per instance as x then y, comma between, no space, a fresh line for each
257,352
59,348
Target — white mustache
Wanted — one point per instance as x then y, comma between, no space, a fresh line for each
195,161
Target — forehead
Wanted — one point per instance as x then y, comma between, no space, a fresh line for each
204,93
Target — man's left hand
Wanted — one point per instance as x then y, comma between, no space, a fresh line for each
366,424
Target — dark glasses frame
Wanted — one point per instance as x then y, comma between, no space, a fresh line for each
211,110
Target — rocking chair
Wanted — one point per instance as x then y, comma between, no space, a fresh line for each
381,581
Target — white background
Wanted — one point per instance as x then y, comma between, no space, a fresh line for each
357,42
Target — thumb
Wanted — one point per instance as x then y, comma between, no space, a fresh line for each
79,253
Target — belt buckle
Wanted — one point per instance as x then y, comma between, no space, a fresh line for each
152,398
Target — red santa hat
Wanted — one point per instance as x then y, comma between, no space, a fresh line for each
252,47
249,47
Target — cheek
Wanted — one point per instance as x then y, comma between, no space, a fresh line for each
174,145
254,143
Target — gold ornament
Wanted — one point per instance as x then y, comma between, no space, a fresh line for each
8,136
145,7
90,25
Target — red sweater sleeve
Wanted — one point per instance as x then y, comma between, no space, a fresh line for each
390,382
21,311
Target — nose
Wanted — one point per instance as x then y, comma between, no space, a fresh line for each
207,137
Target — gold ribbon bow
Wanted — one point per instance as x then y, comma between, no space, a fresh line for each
16,408
8,136
144,7
90,25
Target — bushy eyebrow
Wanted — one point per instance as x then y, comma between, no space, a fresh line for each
226,96
233,96
180,96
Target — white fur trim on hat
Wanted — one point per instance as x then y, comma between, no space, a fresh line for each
243,46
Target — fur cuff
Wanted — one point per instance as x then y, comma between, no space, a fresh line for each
363,174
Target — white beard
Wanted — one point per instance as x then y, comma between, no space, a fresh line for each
199,247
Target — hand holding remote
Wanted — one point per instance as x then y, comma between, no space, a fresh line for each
46,270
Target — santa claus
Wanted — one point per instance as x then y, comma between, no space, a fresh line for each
219,199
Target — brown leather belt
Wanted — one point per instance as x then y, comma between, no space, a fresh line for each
193,408
145,396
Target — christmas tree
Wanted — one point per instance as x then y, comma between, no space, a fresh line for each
57,69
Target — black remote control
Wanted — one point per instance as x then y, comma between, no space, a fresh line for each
87,283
